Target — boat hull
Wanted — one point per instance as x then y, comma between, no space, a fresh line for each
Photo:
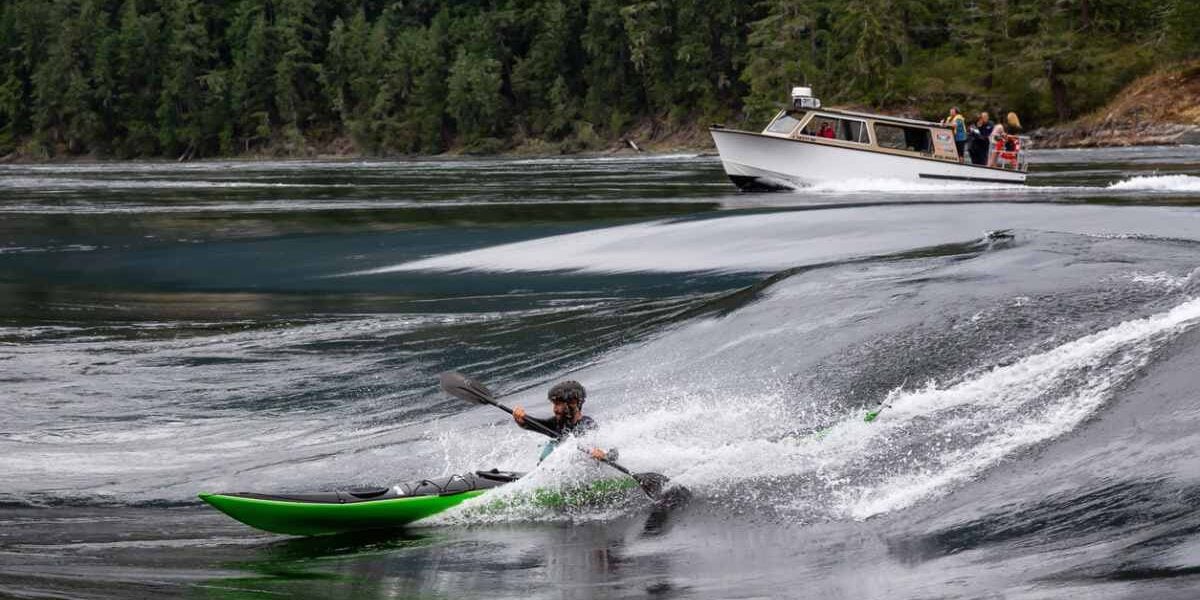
757,162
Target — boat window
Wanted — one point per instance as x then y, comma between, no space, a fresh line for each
786,122
854,131
849,130
898,137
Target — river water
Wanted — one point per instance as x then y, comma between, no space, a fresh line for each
168,329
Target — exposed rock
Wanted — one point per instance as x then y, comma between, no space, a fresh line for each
1161,108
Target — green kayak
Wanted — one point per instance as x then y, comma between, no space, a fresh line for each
324,513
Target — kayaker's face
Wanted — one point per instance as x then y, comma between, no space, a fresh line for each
567,412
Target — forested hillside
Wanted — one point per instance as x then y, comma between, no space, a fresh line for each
203,78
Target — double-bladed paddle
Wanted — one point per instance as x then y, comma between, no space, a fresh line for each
460,386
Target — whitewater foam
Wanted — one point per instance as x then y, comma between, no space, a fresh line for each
756,446
1158,183
1030,402
1161,279
905,186
998,191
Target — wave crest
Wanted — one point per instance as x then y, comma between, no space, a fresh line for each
1158,183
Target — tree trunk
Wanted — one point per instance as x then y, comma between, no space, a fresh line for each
812,43
1058,90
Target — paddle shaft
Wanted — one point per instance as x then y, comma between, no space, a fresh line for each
530,422
543,429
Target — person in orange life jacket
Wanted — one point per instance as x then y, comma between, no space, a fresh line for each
567,398
826,131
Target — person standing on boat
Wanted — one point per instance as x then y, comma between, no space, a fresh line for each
959,124
1014,123
1004,149
567,398
981,139
1007,149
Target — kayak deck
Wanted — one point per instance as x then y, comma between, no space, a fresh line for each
325,513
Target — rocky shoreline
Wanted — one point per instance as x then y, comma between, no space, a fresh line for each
1142,134
1162,108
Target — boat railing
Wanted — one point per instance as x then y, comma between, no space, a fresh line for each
1023,154
1013,160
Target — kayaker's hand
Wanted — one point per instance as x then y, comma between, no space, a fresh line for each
519,415
599,454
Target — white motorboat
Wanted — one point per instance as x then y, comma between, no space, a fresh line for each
805,144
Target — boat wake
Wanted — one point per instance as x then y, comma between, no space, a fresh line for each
1140,183
904,186
1158,183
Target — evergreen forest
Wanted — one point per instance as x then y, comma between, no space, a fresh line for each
205,78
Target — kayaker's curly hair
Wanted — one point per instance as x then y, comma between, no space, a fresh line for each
567,391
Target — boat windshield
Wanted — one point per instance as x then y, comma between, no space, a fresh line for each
786,122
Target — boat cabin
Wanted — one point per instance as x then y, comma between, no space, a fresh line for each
805,119
892,135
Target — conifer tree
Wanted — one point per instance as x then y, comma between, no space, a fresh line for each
62,98
297,66
473,95
1181,26
136,58
650,29
25,31
782,46
252,74
184,98
427,110
611,96
873,43
545,81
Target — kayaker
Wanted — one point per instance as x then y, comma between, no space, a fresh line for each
567,398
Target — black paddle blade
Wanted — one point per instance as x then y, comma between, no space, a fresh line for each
460,386
651,482
655,485
673,497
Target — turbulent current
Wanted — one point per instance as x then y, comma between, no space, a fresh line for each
168,329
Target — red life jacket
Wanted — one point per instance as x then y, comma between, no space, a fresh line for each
1007,148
